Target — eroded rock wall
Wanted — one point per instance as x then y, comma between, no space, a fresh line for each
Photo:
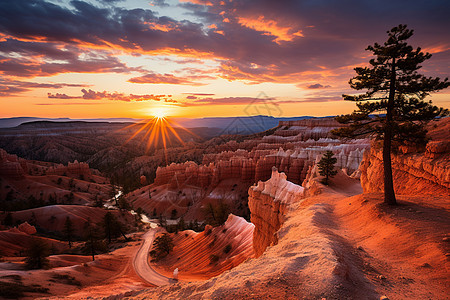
269,202
425,173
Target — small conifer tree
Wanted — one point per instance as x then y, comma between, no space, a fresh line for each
326,166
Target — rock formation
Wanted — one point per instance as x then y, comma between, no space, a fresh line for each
413,173
75,168
231,243
10,167
269,202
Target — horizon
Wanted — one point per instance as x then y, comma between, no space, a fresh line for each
198,58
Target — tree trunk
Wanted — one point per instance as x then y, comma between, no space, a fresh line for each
389,194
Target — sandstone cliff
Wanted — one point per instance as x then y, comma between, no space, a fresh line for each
413,173
269,203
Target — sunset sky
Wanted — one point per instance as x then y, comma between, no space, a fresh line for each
200,58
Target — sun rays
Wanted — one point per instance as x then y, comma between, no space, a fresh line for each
158,132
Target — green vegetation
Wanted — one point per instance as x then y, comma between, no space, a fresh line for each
36,254
216,214
162,246
15,290
326,166
67,279
227,249
68,231
396,93
94,243
214,258
112,227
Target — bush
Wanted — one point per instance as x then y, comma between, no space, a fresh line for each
37,254
213,258
162,246
227,249
15,290
67,279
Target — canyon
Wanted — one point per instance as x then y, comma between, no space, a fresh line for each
277,232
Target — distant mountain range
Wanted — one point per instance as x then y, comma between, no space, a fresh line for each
227,125
16,121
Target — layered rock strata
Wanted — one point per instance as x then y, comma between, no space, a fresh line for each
269,202
413,173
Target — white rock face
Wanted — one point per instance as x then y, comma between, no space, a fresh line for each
269,202
279,188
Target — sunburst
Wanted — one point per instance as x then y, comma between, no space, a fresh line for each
158,131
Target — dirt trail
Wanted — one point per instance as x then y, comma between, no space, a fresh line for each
402,251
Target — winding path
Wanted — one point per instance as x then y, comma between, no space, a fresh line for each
140,261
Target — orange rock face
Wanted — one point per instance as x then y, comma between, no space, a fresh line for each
27,228
269,202
231,243
75,168
413,173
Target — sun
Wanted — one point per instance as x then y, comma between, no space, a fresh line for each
159,113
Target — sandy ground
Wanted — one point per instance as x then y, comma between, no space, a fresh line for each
342,245
192,252
110,273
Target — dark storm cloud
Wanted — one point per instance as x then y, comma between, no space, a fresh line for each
255,41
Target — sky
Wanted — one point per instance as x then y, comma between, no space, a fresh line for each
201,58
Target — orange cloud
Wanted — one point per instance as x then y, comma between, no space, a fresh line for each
437,48
271,27
155,78
93,95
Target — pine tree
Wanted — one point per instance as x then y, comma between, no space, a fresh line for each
93,244
37,254
68,231
162,246
326,166
395,94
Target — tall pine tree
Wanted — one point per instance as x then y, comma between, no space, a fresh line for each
68,231
395,93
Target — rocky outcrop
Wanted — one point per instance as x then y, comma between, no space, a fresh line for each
413,173
10,167
75,168
269,202
231,243
27,228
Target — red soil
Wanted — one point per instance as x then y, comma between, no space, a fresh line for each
53,217
192,251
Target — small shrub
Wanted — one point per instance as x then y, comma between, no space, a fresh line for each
213,258
67,279
227,249
15,290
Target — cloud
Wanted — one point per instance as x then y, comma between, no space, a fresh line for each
155,78
160,3
9,87
93,95
199,94
317,86
31,59
260,41
271,28
228,101
68,103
